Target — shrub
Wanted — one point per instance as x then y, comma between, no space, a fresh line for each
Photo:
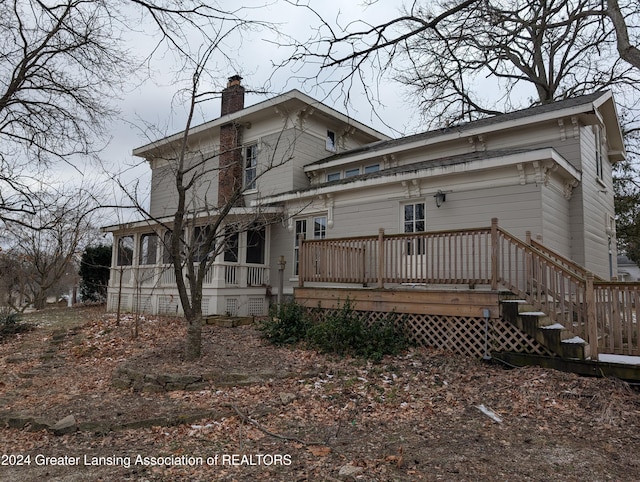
286,325
10,323
344,332
347,332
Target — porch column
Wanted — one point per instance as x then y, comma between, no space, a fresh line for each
381,258
494,253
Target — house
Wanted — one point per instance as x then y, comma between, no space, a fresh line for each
309,171
627,269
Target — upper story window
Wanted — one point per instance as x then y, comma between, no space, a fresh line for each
352,172
599,152
148,248
371,168
250,166
333,176
331,141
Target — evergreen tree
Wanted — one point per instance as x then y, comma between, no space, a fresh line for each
94,271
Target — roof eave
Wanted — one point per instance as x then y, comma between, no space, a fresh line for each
564,166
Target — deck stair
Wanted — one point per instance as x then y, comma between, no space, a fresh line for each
553,335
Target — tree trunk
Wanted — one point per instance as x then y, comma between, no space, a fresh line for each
40,300
193,346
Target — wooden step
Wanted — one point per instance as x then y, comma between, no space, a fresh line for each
554,336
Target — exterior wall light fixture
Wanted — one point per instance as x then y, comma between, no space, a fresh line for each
440,198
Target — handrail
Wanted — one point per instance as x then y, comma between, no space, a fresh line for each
558,258
603,313
544,283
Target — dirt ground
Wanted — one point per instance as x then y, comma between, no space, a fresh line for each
306,416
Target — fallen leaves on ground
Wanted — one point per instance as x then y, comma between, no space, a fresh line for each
411,417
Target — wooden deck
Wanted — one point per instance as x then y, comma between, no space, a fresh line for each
447,280
405,299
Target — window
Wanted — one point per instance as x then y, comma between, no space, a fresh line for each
250,166
256,241
301,229
125,251
231,236
334,176
320,227
148,245
599,154
372,168
331,141
199,245
414,222
352,172
167,239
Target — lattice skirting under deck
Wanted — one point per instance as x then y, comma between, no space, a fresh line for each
458,334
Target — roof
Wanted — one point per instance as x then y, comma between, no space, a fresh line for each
573,106
246,114
441,166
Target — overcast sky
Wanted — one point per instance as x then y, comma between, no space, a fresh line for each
154,101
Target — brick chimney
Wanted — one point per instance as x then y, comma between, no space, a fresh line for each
232,96
231,168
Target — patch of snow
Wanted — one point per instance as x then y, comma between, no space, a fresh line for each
533,313
575,339
621,359
555,326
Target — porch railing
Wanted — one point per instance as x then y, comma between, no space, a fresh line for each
602,313
218,275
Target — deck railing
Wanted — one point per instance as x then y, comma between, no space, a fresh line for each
593,309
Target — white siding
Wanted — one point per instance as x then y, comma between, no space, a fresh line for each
591,204
555,220
282,158
164,196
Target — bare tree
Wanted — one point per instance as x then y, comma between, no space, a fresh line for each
63,64
551,49
621,19
47,247
463,60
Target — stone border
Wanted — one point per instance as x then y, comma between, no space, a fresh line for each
129,379
69,424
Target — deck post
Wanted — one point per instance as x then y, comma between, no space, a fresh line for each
301,264
528,275
592,324
494,253
381,258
